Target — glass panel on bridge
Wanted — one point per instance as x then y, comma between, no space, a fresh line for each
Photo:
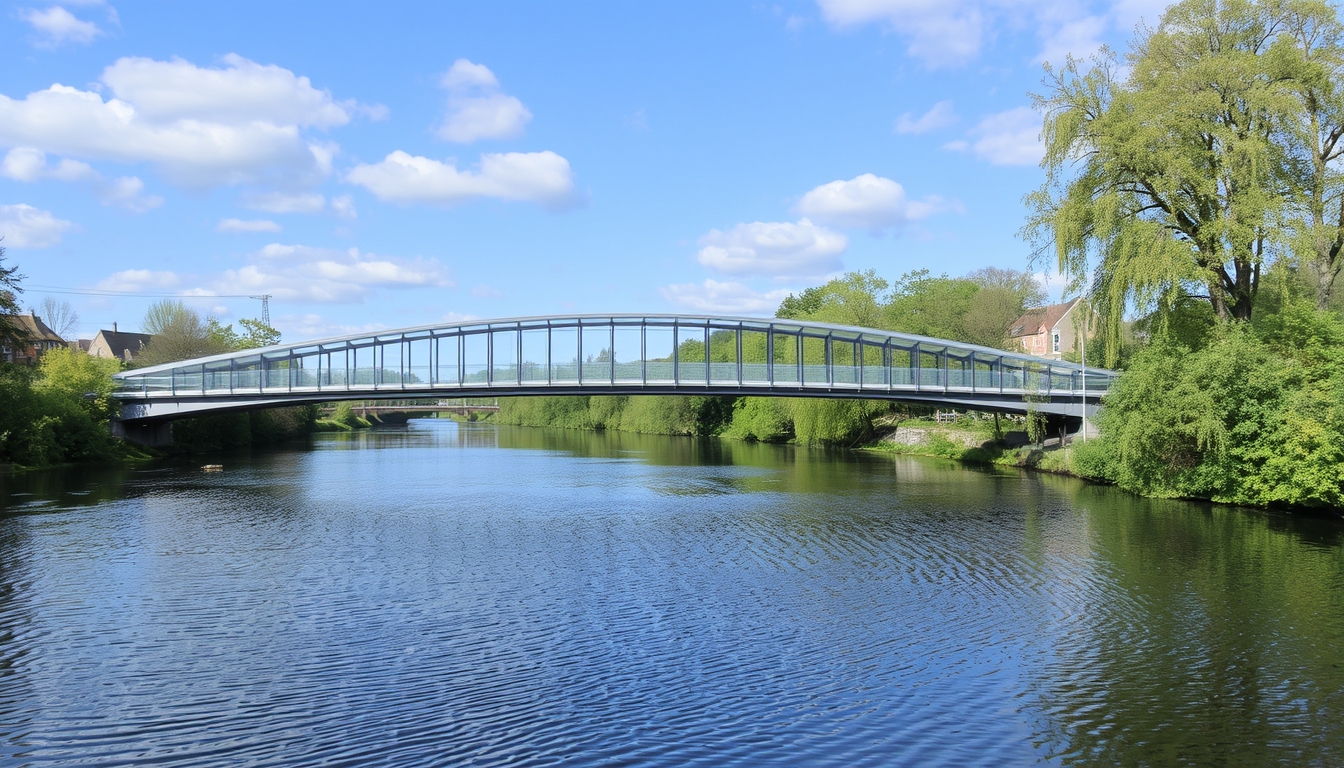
844,363
418,361
475,359
814,361
217,378
596,366
785,349
534,362
872,357
628,354
658,344
691,354
391,358
723,356
446,355
930,367
754,357
565,355
504,357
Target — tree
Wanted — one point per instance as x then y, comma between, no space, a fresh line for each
179,334
9,303
255,334
1179,179
857,298
1314,132
930,306
59,316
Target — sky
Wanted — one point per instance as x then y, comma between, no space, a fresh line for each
388,165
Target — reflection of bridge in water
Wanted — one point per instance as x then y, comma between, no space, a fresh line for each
622,354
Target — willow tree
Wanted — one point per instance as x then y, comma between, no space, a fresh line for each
1170,181
1314,136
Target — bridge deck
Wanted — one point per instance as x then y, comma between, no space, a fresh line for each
586,354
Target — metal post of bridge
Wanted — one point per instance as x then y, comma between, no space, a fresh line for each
770,355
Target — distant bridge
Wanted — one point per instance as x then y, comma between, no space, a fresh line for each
612,355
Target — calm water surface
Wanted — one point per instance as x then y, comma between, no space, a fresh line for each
466,595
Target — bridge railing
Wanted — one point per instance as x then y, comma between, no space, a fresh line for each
661,350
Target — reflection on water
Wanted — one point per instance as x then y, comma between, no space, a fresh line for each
447,594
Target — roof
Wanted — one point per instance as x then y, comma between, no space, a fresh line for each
118,342
32,327
1030,323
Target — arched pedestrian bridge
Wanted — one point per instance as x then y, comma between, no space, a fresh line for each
614,354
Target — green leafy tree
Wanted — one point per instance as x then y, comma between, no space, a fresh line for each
1172,177
254,334
84,378
179,334
1314,137
9,302
930,306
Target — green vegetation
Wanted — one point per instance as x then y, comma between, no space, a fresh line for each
343,419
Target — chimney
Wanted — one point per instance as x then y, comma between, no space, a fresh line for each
114,326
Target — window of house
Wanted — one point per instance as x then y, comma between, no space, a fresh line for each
1056,342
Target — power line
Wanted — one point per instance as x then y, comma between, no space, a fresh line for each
133,294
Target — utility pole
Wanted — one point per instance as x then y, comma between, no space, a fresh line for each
265,308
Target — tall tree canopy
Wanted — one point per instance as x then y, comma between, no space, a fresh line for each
10,336
1186,177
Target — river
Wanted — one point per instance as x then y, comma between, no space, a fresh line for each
461,594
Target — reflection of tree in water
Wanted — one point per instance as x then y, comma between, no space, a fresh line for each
1207,635
15,617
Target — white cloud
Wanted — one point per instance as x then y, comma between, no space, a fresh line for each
476,107
284,202
1006,138
942,33
312,326
199,126
57,26
305,273
30,165
241,93
940,116
239,226
23,226
778,249
140,280
866,202
538,177
1079,38
729,298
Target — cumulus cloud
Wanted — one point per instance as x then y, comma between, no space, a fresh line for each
776,249
30,165
306,273
543,178
866,202
23,226
200,126
56,26
940,116
133,280
239,226
1005,138
477,109
715,297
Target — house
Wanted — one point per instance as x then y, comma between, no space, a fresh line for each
122,345
37,336
1051,331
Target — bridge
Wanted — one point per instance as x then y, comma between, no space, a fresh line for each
611,355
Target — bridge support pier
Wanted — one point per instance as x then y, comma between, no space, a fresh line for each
152,435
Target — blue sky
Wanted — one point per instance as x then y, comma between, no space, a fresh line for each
387,165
